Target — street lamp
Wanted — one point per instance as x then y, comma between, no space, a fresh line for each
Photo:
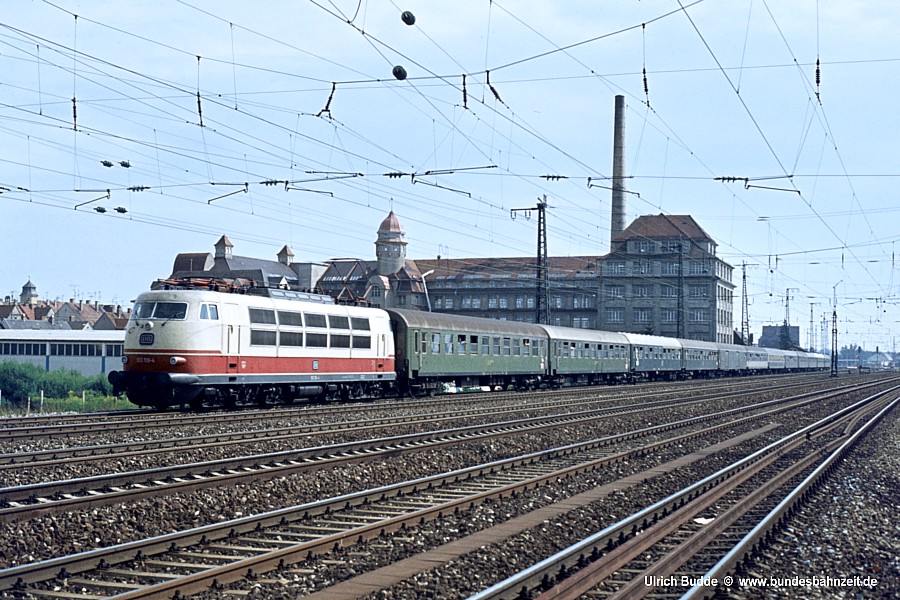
424,285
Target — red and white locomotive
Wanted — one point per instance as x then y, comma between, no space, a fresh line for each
191,346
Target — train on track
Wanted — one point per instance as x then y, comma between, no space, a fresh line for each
213,345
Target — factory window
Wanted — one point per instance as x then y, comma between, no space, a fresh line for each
668,291
362,342
493,302
698,315
520,301
698,291
112,349
289,338
615,315
294,319
259,337
476,302
359,323
314,320
448,302
614,291
641,291
316,340
668,315
337,322
641,315
209,312
340,341
504,302
671,268
262,316
671,246
615,267
641,267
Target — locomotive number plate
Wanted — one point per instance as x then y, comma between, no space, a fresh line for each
146,339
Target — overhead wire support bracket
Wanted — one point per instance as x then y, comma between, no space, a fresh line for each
245,190
748,185
591,184
443,187
105,196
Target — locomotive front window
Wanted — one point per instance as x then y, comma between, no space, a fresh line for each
209,312
160,310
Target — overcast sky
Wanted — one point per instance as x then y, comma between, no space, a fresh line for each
215,105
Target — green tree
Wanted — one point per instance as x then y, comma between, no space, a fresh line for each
19,381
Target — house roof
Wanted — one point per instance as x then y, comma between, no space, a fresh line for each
663,227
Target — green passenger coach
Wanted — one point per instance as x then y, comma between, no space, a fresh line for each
433,349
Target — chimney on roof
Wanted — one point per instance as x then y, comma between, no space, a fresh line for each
617,218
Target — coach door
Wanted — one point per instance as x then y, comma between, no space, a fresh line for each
232,342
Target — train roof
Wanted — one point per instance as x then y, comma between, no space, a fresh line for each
585,335
703,345
85,336
429,320
642,339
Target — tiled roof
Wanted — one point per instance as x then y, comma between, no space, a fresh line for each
663,227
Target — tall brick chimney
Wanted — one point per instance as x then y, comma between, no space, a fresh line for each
617,218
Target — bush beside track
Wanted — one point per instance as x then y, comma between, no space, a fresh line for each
62,390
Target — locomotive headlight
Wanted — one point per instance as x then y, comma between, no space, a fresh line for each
148,325
177,360
124,360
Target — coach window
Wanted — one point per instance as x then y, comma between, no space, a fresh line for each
293,319
260,337
485,345
316,340
435,343
291,338
473,344
517,347
496,346
314,320
507,344
362,342
338,322
448,343
416,343
209,312
461,343
262,316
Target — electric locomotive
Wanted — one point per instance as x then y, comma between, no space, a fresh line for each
203,346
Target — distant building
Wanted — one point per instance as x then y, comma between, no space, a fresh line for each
390,281
33,313
663,277
263,273
772,336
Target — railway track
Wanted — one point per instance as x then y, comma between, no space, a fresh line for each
123,450
64,426
662,549
192,560
50,497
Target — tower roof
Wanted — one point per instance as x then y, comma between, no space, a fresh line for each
391,225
